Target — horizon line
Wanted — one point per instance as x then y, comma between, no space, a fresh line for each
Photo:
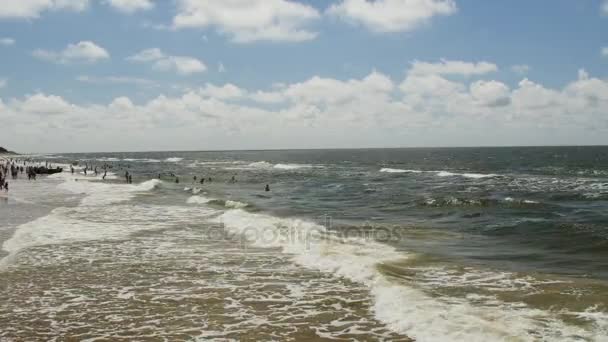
323,148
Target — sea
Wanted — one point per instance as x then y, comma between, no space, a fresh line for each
423,244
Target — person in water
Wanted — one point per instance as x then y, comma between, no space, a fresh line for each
127,176
267,188
203,180
176,180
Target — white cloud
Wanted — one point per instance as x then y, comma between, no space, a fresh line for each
605,51
182,65
225,92
322,111
490,93
520,69
7,41
131,6
249,20
42,104
30,9
116,80
604,8
391,15
447,67
318,90
81,52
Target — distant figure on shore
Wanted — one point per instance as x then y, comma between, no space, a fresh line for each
203,180
233,179
176,180
71,169
159,176
130,179
267,188
194,179
127,176
104,175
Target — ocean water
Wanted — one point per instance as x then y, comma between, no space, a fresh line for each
459,244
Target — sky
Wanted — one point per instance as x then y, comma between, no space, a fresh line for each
147,75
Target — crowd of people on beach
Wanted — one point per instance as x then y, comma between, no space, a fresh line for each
13,167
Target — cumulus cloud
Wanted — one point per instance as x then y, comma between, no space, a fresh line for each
249,20
371,109
42,104
391,15
131,6
182,65
30,9
7,41
490,93
81,52
447,67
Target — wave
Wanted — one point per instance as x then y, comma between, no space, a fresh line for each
235,204
451,201
442,173
230,204
466,175
174,160
292,166
403,307
199,200
389,170
85,223
98,194
260,164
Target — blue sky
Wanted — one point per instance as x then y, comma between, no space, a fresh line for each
556,45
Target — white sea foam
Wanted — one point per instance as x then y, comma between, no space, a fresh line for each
260,164
403,308
98,193
389,170
174,160
235,204
198,200
279,166
85,223
292,166
440,173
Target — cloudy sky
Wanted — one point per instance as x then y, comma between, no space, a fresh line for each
141,75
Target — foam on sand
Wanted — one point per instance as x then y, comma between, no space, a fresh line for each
86,223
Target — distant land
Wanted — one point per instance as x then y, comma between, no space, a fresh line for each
5,151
